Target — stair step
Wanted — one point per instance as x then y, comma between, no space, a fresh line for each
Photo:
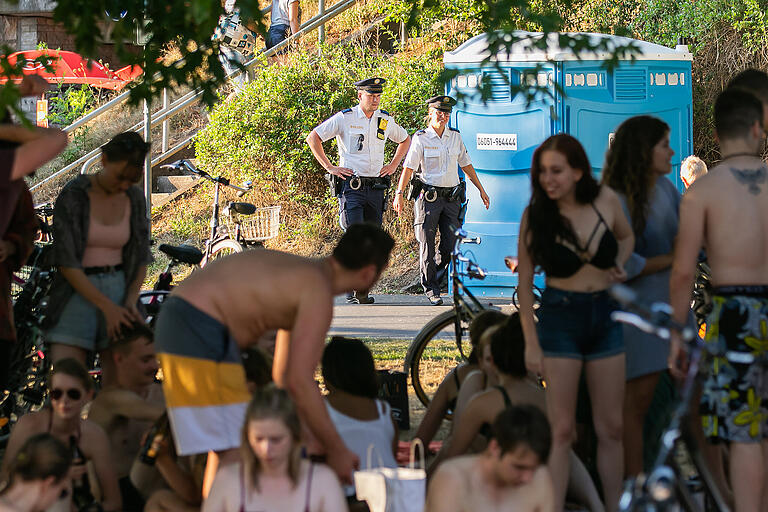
181,186
170,184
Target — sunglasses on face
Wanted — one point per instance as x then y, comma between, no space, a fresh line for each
73,394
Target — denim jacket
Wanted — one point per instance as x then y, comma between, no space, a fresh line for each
71,216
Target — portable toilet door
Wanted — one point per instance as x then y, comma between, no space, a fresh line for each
502,134
656,83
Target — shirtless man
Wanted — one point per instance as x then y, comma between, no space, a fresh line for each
733,194
224,308
127,407
510,475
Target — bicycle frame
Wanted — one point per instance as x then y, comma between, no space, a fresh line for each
465,303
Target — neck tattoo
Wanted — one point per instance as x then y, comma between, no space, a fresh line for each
752,178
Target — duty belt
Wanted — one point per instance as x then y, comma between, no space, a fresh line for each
431,192
376,183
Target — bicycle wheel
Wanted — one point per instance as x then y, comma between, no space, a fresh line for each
221,249
536,297
433,353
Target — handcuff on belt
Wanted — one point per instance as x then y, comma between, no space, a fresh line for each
355,183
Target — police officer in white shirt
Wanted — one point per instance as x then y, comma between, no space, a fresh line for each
439,151
361,133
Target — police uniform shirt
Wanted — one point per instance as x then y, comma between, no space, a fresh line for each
361,140
439,157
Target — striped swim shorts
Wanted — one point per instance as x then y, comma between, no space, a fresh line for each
203,379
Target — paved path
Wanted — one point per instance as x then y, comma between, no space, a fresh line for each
391,316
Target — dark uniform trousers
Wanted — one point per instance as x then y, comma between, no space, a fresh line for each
441,214
362,205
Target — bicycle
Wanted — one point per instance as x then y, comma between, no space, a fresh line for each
247,226
26,388
152,300
44,213
664,487
449,324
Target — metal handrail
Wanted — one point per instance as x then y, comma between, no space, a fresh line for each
162,115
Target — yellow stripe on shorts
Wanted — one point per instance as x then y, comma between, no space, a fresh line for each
195,382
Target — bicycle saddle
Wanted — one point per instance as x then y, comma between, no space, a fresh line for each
241,208
183,253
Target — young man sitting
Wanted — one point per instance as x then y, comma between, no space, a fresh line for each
510,475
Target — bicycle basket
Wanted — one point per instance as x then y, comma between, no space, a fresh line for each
262,225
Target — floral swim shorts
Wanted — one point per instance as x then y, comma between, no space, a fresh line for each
734,400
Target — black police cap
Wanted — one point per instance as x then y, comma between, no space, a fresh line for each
441,103
372,85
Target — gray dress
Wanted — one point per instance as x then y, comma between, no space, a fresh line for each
646,353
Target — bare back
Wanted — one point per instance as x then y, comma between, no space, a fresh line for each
733,201
256,291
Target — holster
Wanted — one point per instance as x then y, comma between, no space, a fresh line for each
336,184
414,188
459,193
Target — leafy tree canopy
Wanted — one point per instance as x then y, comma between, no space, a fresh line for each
190,23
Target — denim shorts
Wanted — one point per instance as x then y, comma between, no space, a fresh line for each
276,35
578,325
81,323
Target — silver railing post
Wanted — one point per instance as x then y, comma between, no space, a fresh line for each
148,159
321,30
165,122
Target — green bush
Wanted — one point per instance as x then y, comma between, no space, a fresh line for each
259,133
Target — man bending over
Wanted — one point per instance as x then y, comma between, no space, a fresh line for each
510,475
226,307
734,194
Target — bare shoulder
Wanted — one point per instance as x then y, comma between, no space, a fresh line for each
607,198
92,431
453,472
34,422
323,477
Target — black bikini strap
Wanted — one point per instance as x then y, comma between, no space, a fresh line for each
507,401
309,487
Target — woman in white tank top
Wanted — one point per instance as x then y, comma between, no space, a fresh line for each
360,418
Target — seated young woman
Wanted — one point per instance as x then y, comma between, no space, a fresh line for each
71,389
272,474
38,475
445,398
514,387
360,418
484,377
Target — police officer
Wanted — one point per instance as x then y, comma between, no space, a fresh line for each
439,151
361,133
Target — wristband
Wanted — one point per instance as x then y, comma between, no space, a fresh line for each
398,192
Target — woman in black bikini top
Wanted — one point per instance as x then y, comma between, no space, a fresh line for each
578,233
272,476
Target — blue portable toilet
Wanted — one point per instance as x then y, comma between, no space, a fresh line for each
502,134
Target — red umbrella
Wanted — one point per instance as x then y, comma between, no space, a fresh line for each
71,68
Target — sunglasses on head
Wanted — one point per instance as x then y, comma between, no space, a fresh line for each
73,394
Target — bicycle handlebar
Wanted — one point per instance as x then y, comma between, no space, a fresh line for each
186,165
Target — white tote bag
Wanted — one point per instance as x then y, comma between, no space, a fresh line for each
393,489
